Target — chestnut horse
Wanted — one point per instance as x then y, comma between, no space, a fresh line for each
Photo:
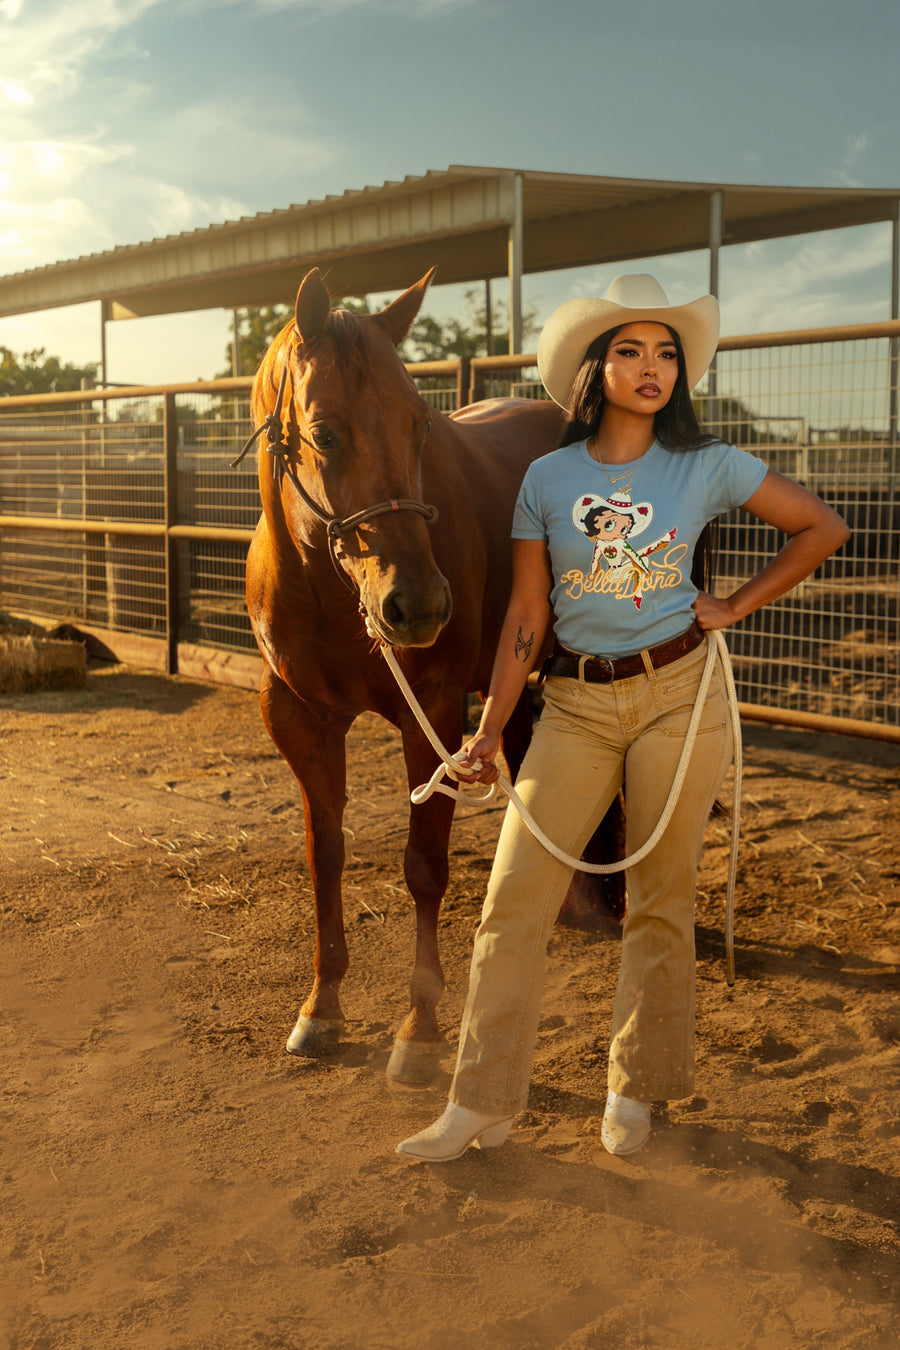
349,529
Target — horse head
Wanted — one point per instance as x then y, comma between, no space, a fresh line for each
354,430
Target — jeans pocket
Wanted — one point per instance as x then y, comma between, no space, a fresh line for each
676,701
563,699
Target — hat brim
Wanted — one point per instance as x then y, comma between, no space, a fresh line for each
572,328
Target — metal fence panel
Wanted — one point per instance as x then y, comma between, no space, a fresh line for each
821,412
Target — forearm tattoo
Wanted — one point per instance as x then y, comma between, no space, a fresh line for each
523,646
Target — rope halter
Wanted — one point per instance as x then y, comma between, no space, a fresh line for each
335,526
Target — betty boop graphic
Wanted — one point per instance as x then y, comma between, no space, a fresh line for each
612,523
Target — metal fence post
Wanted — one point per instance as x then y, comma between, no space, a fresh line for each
463,378
894,364
170,507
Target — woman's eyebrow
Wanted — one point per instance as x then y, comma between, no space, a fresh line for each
642,342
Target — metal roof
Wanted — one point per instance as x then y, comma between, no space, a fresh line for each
384,238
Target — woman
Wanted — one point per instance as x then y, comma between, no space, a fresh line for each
629,621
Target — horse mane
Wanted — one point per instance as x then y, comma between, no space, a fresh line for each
346,333
343,329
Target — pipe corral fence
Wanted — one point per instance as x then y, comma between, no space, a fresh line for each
119,513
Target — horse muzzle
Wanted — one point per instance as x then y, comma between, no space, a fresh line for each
410,616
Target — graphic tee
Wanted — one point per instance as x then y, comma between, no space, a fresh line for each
621,560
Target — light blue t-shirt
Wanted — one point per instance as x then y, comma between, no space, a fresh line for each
621,562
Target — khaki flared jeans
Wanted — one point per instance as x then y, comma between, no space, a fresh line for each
591,738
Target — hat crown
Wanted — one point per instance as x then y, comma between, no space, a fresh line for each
631,298
637,290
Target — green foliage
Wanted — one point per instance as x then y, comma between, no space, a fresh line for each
257,328
37,373
429,339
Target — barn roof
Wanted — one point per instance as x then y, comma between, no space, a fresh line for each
472,222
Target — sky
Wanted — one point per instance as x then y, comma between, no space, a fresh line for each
127,120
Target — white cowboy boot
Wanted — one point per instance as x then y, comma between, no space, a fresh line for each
451,1135
626,1124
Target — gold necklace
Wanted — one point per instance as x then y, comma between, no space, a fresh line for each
614,481
619,476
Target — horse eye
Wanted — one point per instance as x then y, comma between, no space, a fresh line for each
322,438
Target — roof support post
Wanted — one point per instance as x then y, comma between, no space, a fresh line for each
235,343
516,240
104,318
895,342
716,213
488,319
716,220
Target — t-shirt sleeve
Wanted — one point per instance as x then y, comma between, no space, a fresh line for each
733,475
528,517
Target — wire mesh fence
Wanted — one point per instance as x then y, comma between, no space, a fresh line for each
824,413
119,510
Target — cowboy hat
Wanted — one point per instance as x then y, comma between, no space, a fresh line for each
620,502
635,298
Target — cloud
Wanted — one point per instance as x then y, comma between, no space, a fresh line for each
98,154
41,201
50,49
416,9
14,93
815,281
857,147
811,281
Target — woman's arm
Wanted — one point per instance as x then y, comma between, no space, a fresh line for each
815,530
521,639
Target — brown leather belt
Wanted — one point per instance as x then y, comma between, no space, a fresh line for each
603,669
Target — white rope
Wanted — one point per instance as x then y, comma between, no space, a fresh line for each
716,649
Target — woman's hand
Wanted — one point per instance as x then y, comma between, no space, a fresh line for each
711,612
485,748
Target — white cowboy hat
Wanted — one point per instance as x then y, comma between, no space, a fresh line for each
620,502
635,298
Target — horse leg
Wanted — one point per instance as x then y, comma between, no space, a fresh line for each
314,747
418,1045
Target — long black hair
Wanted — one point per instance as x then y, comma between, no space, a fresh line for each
675,427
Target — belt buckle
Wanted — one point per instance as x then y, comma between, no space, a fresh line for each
602,678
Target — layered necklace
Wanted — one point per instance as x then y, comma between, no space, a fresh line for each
616,479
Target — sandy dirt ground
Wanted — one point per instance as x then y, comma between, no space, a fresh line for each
172,1180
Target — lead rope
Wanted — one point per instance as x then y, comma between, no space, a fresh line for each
716,649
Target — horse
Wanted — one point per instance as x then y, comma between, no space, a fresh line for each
377,509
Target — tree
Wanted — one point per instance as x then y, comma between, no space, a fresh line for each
37,373
258,327
255,330
430,340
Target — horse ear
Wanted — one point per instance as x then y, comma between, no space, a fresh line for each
397,319
312,308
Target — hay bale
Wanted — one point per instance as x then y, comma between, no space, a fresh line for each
28,663
11,624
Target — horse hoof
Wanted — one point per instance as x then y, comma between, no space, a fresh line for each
314,1038
414,1062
